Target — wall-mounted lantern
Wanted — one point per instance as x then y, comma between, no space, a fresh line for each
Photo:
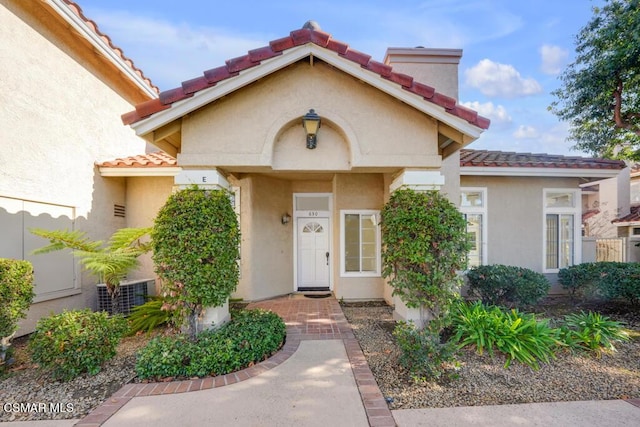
311,124
285,219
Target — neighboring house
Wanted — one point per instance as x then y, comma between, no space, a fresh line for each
63,87
604,202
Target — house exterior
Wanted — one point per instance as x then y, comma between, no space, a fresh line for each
63,88
309,215
238,127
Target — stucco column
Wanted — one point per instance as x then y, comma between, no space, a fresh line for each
417,180
206,179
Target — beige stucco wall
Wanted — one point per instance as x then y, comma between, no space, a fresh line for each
145,196
260,126
59,114
267,244
515,218
355,191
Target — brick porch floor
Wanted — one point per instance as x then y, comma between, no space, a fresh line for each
306,319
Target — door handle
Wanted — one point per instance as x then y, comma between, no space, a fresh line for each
327,255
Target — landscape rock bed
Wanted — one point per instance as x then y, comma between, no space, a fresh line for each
484,381
28,385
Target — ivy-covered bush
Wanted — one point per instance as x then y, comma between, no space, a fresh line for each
507,285
251,336
16,296
519,336
425,243
74,342
195,250
580,279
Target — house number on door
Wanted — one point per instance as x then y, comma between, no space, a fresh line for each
312,213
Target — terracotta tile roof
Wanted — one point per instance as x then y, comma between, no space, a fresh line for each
589,214
634,216
157,159
485,158
75,8
275,48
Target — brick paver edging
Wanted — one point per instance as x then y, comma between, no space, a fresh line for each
378,413
102,413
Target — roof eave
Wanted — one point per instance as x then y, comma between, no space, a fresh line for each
106,171
538,172
203,97
100,45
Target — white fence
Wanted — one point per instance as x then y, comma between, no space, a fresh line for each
620,249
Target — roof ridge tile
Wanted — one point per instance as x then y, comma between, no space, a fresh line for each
297,38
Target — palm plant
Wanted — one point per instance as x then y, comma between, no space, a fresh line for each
109,262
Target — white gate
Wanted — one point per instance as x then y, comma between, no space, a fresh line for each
611,249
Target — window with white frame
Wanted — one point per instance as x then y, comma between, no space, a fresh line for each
561,228
473,205
359,243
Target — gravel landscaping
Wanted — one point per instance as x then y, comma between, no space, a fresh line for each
482,380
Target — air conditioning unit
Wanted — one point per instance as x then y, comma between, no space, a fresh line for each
132,294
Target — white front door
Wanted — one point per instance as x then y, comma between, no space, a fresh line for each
313,253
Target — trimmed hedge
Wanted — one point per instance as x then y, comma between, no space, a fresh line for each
74,342
507,285
610,280
250,337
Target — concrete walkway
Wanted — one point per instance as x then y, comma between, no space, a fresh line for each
611,413
319,378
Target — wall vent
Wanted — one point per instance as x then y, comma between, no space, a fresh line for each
119,211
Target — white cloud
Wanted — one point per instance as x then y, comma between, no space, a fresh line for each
169,53
526,132
496,113
554,59
495,79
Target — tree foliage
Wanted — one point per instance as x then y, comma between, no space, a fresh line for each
425,243
109,262
196,241
16,296
600,93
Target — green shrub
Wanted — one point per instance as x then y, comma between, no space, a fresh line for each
251,336
423,353
592,332
518,336
425,243
16,296
507,285
196,241
580,280
16,293
149,315
619,280
75,342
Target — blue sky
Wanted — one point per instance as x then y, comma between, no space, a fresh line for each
513,50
